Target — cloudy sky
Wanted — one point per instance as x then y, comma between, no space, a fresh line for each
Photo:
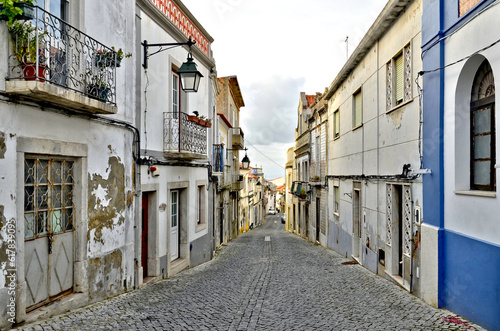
279,48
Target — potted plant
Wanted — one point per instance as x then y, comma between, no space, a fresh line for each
110,57
194,118
315,178
16,10
27,45
303,194
208,123
202,121
97,88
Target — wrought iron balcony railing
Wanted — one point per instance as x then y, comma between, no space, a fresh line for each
183,138
49,50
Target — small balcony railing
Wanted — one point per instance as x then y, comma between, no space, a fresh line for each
238,138
182,138
46,49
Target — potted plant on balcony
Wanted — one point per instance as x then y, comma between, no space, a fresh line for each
26,46
110,58
97,87
194,118
16,10
303,193
315,178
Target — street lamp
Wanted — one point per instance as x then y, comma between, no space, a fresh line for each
245,161
189,74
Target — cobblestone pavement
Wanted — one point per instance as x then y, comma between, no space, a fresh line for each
285,283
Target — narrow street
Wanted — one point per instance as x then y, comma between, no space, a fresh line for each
266,279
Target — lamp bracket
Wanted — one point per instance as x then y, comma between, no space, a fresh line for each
145,44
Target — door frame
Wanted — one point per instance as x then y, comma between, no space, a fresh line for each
184,205
78,153
357,219
152,268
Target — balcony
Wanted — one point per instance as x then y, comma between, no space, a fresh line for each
238,138
182,138
237,184
50,61
302,143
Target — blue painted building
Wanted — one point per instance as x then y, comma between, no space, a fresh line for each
461,220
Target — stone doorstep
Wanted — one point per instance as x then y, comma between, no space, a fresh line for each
177,266
66,304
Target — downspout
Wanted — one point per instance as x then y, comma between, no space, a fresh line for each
378,145
137,166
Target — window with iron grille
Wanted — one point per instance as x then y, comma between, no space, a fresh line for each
48,197
482,133
399,71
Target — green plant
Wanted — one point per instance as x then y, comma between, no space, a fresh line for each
26,45
112,57
12,11
303,193
196,113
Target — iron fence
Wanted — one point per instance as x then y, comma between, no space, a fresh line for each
50,50
181,135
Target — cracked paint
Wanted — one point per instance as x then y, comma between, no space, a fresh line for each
106,199
397,117
106,274
3,146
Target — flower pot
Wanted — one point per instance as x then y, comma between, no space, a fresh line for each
208,124
193,118
29,71
107,60
202,122
99,92
28,12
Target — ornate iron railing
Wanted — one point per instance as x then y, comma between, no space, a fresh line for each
183,136
50,50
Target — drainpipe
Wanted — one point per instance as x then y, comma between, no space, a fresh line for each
137,194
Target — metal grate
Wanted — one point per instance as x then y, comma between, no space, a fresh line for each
184,136
389,214
48,197
407,74
50,50
407,220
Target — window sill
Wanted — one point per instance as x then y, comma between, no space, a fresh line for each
200,227
399,106
357,127
477,193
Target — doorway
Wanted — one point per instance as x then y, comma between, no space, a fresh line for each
174,225
356,222
318,218
144,235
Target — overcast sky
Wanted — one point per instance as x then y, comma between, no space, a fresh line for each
279,48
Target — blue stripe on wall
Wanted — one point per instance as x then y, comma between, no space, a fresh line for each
471,287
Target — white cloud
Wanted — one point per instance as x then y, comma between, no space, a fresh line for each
277,49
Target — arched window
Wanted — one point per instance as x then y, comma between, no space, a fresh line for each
483,130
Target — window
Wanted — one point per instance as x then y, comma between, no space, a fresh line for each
357,109
201,204
482,140
175,93
336,123
55,7
48,197
337,200
399,78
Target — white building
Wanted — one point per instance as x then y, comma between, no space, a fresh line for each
374,143
175,187
67,154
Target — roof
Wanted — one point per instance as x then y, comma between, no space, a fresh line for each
234,86
384,21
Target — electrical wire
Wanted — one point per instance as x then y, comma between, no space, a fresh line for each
458,29
246,140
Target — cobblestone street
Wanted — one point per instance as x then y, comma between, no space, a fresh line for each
267,279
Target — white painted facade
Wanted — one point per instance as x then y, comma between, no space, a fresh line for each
370,205
178,193
38,129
